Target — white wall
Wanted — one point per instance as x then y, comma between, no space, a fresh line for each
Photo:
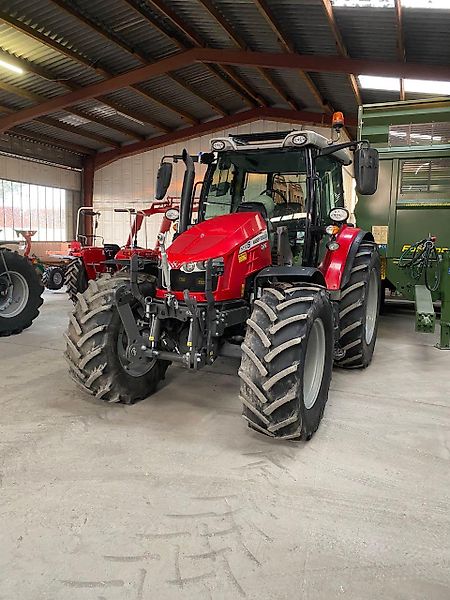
130,182
26,171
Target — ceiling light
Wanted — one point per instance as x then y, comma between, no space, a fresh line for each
414,86
373,82
419,86
10,67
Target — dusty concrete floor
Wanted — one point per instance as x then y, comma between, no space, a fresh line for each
174,498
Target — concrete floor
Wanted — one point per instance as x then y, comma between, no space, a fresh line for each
174,498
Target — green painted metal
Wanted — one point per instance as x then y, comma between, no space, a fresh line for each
444,343
425,315
400,215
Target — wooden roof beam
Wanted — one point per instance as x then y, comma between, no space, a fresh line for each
57,47
400,44
289,47
328,7
239,86
242,44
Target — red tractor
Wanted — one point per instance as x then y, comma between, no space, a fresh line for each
271,264
88,262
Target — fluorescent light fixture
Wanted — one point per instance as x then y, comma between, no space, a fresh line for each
373,82
440,88
10,67
439,4
414,86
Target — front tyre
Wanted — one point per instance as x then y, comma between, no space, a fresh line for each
53,278
287,361
76,278
359,308
96,348
20,293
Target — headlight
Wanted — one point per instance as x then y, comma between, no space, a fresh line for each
299,139
332,229
339,215
173,214
333,246
188,267
218,145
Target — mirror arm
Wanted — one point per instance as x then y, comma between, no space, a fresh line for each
335,147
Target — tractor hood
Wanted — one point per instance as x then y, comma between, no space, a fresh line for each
215,237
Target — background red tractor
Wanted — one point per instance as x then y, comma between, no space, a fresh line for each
88,261
271,264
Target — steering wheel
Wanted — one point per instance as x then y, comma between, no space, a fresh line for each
269,192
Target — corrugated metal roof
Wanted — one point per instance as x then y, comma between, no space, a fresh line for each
144,34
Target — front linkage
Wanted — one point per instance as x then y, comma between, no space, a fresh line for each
205,323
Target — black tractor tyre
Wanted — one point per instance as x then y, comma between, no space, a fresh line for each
287,359
95,348
53,278
359,309
19,302
76,278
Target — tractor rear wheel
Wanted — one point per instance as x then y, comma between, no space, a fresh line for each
20,293
287,358
53,278
96,348
359,308
76,278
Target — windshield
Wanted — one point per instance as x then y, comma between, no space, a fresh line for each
274,179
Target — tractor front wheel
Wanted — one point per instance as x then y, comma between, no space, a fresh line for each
96,346
359,308
287,358
53,278
76,278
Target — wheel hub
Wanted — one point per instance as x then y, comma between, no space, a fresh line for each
14,294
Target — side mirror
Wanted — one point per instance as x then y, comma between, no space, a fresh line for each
163,179
366,162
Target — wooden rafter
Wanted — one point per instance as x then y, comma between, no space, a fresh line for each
262,112
239,85
341,47
314,63
113,38
57,47
288,46
241,43
30,67
107,142
400,44
51,141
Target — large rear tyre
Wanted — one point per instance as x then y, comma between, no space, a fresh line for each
53,278
20,293
96,345
76,278
287,361
359,308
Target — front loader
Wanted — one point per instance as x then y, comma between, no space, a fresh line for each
271,264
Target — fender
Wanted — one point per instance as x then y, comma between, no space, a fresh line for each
294,273
337,264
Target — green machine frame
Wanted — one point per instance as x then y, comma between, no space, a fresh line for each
413,197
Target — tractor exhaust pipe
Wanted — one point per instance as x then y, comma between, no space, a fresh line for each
186,193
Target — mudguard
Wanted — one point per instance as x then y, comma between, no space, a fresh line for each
293,273
337,264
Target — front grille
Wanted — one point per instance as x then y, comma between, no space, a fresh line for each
194,282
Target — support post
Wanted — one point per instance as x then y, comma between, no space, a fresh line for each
88,192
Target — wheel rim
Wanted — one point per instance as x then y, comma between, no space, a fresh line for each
15,297
314,364
136,368
372,306
57,278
